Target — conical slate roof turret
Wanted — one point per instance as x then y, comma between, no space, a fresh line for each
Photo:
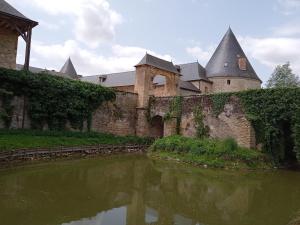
69,69
229,60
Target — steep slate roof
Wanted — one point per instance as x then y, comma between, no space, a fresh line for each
69,69
192,71
157,62
40,70
188,86
7,9
228,52
114,79
189,72
128,79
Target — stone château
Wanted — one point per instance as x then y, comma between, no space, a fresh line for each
132,113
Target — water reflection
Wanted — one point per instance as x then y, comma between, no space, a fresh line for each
138,191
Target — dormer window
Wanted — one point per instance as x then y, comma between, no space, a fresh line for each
242,64
102,79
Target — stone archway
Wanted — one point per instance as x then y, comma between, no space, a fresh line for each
157,127
146,71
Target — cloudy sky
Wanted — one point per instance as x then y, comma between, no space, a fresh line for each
104,36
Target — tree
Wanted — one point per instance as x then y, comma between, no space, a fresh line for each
283,76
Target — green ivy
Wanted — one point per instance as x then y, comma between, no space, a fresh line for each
218,102
274,113
271,112
201,130
7,109
296,132
175,111
151,102
55,100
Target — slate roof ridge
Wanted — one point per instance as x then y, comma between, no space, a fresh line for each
158,62
109,74
8,9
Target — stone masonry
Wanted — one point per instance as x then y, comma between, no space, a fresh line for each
8,48
123,117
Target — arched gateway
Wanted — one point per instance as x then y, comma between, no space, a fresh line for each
146,71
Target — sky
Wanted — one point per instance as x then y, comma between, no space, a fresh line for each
105,36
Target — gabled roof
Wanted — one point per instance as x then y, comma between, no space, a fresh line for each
192,71
224,61
159,63
8,10
113,80
69,69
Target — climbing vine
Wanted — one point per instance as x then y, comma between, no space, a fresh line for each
296,132
175,111
55,100
151,102
274,114
219,100
7,108
201,129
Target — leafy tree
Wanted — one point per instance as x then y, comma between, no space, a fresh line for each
283,76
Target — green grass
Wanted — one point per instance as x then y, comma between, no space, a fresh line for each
19,139
208,152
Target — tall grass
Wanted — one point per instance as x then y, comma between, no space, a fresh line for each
212,152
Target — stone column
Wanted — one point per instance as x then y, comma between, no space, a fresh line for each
142,124
142,85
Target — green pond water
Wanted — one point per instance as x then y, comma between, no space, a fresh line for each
134,190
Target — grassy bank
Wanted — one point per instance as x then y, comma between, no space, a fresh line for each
208,153
19,139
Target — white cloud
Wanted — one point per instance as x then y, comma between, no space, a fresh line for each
273,51
200,54
288,6
94,20
123,58
269,51
291,29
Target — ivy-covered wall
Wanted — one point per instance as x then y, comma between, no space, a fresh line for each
48,102
268,119
195,116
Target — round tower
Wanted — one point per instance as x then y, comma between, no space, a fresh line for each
229,68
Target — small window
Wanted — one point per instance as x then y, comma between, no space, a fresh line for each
206,90
242,64
226,64
228,82
102,79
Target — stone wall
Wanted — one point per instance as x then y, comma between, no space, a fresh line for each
118,117
17,115
220,84
8,48
123,117
129,88
203,86
231,122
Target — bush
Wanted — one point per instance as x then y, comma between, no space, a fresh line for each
211,152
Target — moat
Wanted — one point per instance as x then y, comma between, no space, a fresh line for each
134,190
